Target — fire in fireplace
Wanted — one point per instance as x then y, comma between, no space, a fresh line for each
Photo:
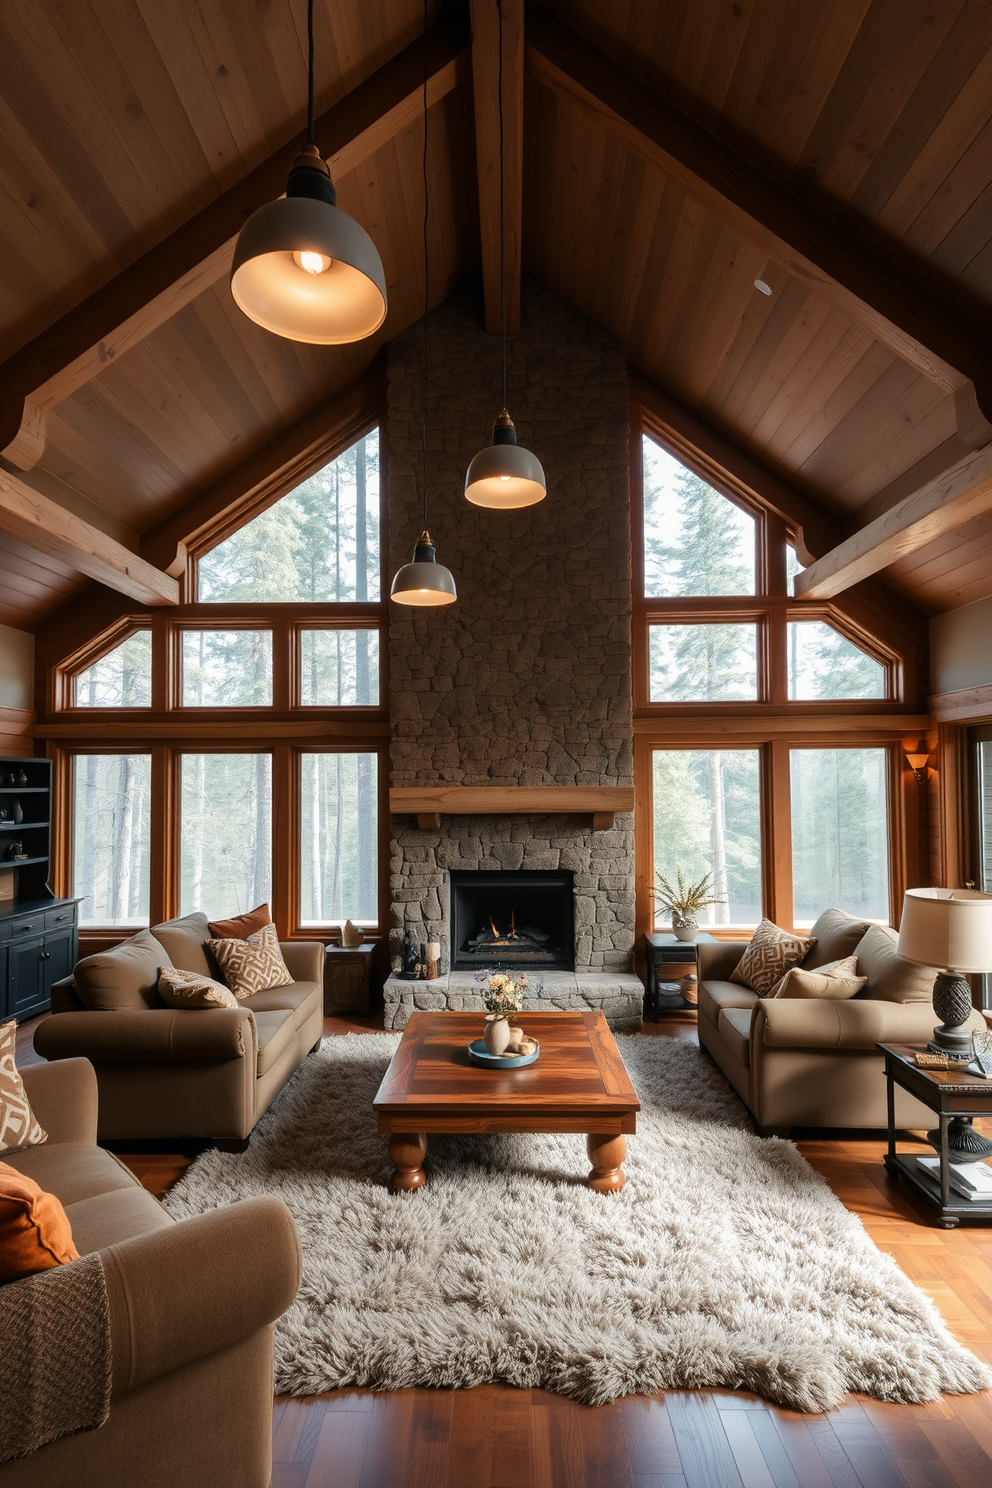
523,919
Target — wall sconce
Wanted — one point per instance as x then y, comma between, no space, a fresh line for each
919,764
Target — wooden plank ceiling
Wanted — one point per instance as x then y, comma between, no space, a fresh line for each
121,119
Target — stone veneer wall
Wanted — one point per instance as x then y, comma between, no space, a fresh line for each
526,680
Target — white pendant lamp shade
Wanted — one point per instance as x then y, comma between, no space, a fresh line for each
424,581
505,475
305,270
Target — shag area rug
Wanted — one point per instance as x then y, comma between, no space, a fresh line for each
725,1260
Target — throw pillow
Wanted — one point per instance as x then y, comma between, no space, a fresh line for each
187,989
252,965
35,1234
19,1126
770,954
837,935
123,979
242,925
837,981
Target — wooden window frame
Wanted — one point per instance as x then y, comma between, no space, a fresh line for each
337,622
64,825
62,683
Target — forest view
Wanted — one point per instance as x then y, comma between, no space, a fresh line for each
707,803
111,841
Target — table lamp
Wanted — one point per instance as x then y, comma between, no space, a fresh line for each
952,929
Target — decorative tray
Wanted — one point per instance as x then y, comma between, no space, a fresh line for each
479,1054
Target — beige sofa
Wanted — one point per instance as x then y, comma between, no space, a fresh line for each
192,1307
203,1073
813,1062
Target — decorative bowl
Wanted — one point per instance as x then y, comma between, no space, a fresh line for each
479,1054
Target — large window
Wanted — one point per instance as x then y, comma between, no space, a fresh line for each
225,833
707,821
840,832
319,543
227,668
338,838
111,837
825,664
696,541
121,678
339,667
703,663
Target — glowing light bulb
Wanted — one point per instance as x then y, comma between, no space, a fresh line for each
311,262
504,477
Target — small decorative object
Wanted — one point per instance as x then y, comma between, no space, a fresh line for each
18,813
983,1051
479,1054
351,936
926,1060
14,851
4,814
684,900
22,779
409,959
432,955
503,996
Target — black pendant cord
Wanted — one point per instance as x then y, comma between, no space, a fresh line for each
502,228
427,271
310,138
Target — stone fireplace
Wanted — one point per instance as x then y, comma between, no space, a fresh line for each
526,681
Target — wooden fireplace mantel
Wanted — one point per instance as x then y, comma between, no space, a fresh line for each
428,804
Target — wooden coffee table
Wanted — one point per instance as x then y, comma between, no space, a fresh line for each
579,1084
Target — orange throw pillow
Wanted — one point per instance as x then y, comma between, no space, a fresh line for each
34,1228
242,925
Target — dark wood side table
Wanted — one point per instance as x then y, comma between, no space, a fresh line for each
348,978
949,1093
668,948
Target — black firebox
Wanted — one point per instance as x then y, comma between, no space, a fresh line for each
523,920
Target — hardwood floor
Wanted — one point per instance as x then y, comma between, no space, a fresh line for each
495,1437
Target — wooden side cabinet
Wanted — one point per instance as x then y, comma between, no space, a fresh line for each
36,949
348,978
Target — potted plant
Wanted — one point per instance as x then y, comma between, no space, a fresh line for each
684,900
503,996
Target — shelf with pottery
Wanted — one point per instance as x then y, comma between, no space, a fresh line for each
429,803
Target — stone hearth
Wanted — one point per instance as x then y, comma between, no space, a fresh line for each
619,996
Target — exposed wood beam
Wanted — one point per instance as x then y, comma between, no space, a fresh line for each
154,288
809,247
43,524
943,504
485,84
966,704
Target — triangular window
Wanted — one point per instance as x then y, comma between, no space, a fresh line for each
696,540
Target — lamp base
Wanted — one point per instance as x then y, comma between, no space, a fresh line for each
952,1004
964,1144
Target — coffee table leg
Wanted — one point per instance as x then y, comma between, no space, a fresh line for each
606,1153
407,1149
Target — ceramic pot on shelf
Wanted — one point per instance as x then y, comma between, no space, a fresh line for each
684,929
497,1035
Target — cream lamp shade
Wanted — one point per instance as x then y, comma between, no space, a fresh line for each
505,475
949,928
305,270
424,581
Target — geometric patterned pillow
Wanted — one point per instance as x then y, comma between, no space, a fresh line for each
252,965
189,989
19,1126
769,955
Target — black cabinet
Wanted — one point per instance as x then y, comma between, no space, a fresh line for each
35,951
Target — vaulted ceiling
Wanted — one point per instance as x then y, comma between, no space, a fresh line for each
840,152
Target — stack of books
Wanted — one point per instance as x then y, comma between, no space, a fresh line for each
969,1180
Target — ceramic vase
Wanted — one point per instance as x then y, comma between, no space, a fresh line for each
685,929
497,1035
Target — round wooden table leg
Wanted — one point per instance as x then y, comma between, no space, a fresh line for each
606,1153
407,1149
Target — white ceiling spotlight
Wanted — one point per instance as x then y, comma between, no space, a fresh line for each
763,285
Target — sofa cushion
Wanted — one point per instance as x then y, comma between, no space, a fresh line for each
125,978
771,952
19,1126
185,941
110,1218
890,978
837,934
252,965
713,996
74,1170
188,989
35,1234
276,1032
241,926
299,998
837,980
734,1026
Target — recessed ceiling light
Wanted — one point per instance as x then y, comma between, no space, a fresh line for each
763,285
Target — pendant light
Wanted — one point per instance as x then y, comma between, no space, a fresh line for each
302,268
505,475
423,581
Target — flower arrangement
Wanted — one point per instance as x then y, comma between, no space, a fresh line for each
684,899
503,995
